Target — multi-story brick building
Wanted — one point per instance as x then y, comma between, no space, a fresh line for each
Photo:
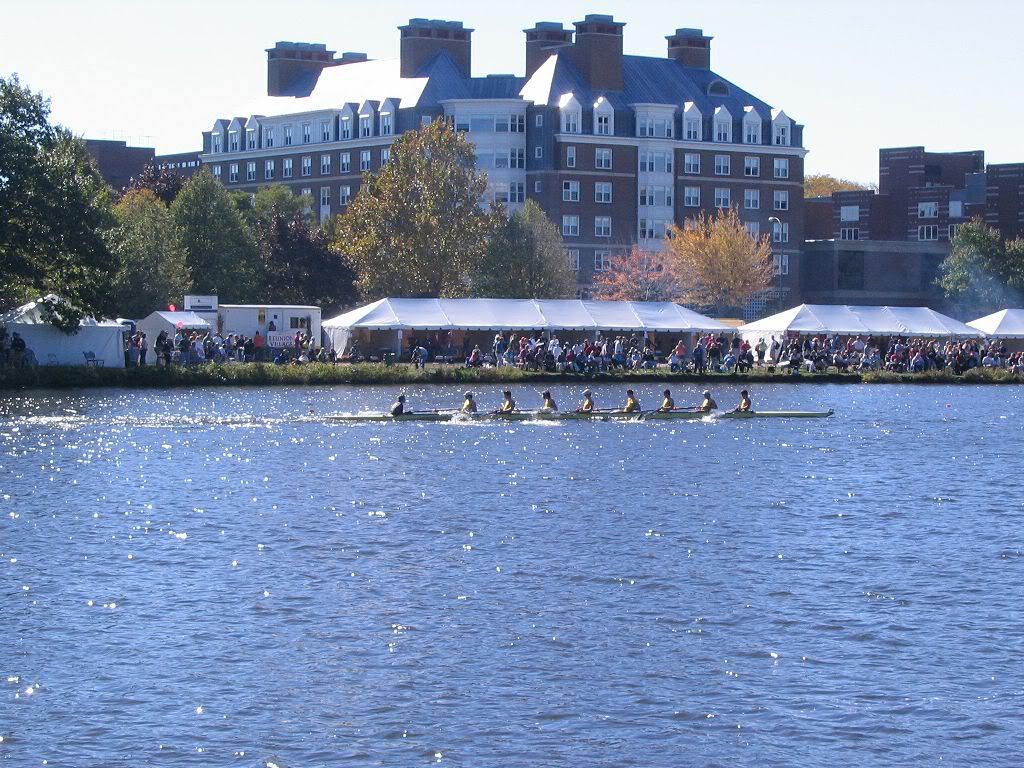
613,147
885,247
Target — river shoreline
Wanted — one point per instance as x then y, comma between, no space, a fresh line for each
256,374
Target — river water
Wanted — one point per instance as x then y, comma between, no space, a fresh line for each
220,578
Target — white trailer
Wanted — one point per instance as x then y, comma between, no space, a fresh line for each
278,323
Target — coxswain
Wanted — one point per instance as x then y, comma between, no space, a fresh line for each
549,403
632,404
709,403
587,406
744,405
508,404
668,404
398,408
469,406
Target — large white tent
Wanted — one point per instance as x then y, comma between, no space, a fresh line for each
155,322
102,340
844,320
1005,324
517,315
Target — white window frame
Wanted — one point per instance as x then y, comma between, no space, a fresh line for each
268,170
570,156
250,171
325,165
602,192
780,200
752,167
386,126
723,165
233,173
928,232
344,195
928,210
287,168
752,199
723,197
345,162
723,130
693,128
365,161
602,260
602,226
605,152
570,226
781,167
268,137
849,213
570,191
691,162
849,233
365,126
780,232
538,152
573,255
780,263
307,165
307,133
385,156
691,197
326,131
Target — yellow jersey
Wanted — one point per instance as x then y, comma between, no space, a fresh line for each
744,404
469,406
549,404
508,406
588,405
668,405
708,404
631,405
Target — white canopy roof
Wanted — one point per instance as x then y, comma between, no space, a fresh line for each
1005,324
523,314
32,314
851,320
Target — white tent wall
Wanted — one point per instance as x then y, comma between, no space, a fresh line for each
155,322
105,341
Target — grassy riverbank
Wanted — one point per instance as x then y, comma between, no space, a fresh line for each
252,374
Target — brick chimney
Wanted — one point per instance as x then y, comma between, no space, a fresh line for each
544,39
690,47
293,68
422,39
597,52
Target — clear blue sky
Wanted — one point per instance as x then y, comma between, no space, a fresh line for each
859,74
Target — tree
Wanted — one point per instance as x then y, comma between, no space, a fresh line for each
823,185
271,200
56,213
298,264
636,276
525,259
717,262
153,268
416,227
983,273
163,182
219,248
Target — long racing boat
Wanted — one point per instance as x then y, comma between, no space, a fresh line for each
541,415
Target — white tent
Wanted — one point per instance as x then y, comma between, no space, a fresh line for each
1005,324
813,319
155,322
517,315
51,346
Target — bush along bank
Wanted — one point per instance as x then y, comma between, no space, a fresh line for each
316,374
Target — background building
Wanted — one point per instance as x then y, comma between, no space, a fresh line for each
613,147
119,163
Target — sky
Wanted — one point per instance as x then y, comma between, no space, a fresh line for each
859,74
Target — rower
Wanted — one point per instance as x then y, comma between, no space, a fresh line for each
398,408
709,403
508,404
668,404
632,404
469,406
744,405
549,403
587,406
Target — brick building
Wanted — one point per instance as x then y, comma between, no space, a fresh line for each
885,247
613,147
119,163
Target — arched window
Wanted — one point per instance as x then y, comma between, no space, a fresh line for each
718,88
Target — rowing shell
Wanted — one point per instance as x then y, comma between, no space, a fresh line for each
442,416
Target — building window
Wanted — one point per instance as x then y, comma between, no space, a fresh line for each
250,139
602,261
752,199
573,254
385,156
268,170
268,137
539,121
692,129
216,172
346,128
570,157
782,135
659,196
956,209
365,126
325,131
307,133
517,157
537,187
691,162
307,192
953,230
752,166
307,166
233,173
849,213
570,121
752,132
723,131
723,197
570,226
385,125
538,152
603,159
218,143
344,195
928,232
603,125
345,166
501,193
602,226
517,124
849,233
233,141
286,168
602,192
753,229
287,135
656,162
325,165
517,192
570,191
364,160
781,167
927,210
250,171
780,232
781,199
722,165
691,197
780,263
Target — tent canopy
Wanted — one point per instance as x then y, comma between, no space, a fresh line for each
1005,324
522,315
102,339
856,320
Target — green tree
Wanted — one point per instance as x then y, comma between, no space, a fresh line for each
298,264
55,213
272,200
983,273
823,185
416,227
526,259
219,247
153,268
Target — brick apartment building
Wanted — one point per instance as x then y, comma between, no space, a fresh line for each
119,163
885,247
613,147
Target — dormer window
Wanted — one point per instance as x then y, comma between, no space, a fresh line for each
325,131
781,135
751,127
307,133
718,88
365,126
571,114
346,128
250,138
604,118
723,129
782,129
385,125
287,135
233,141
268,137
217,141
693,122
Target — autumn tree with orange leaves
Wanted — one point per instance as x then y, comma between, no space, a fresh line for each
636,276
718,264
